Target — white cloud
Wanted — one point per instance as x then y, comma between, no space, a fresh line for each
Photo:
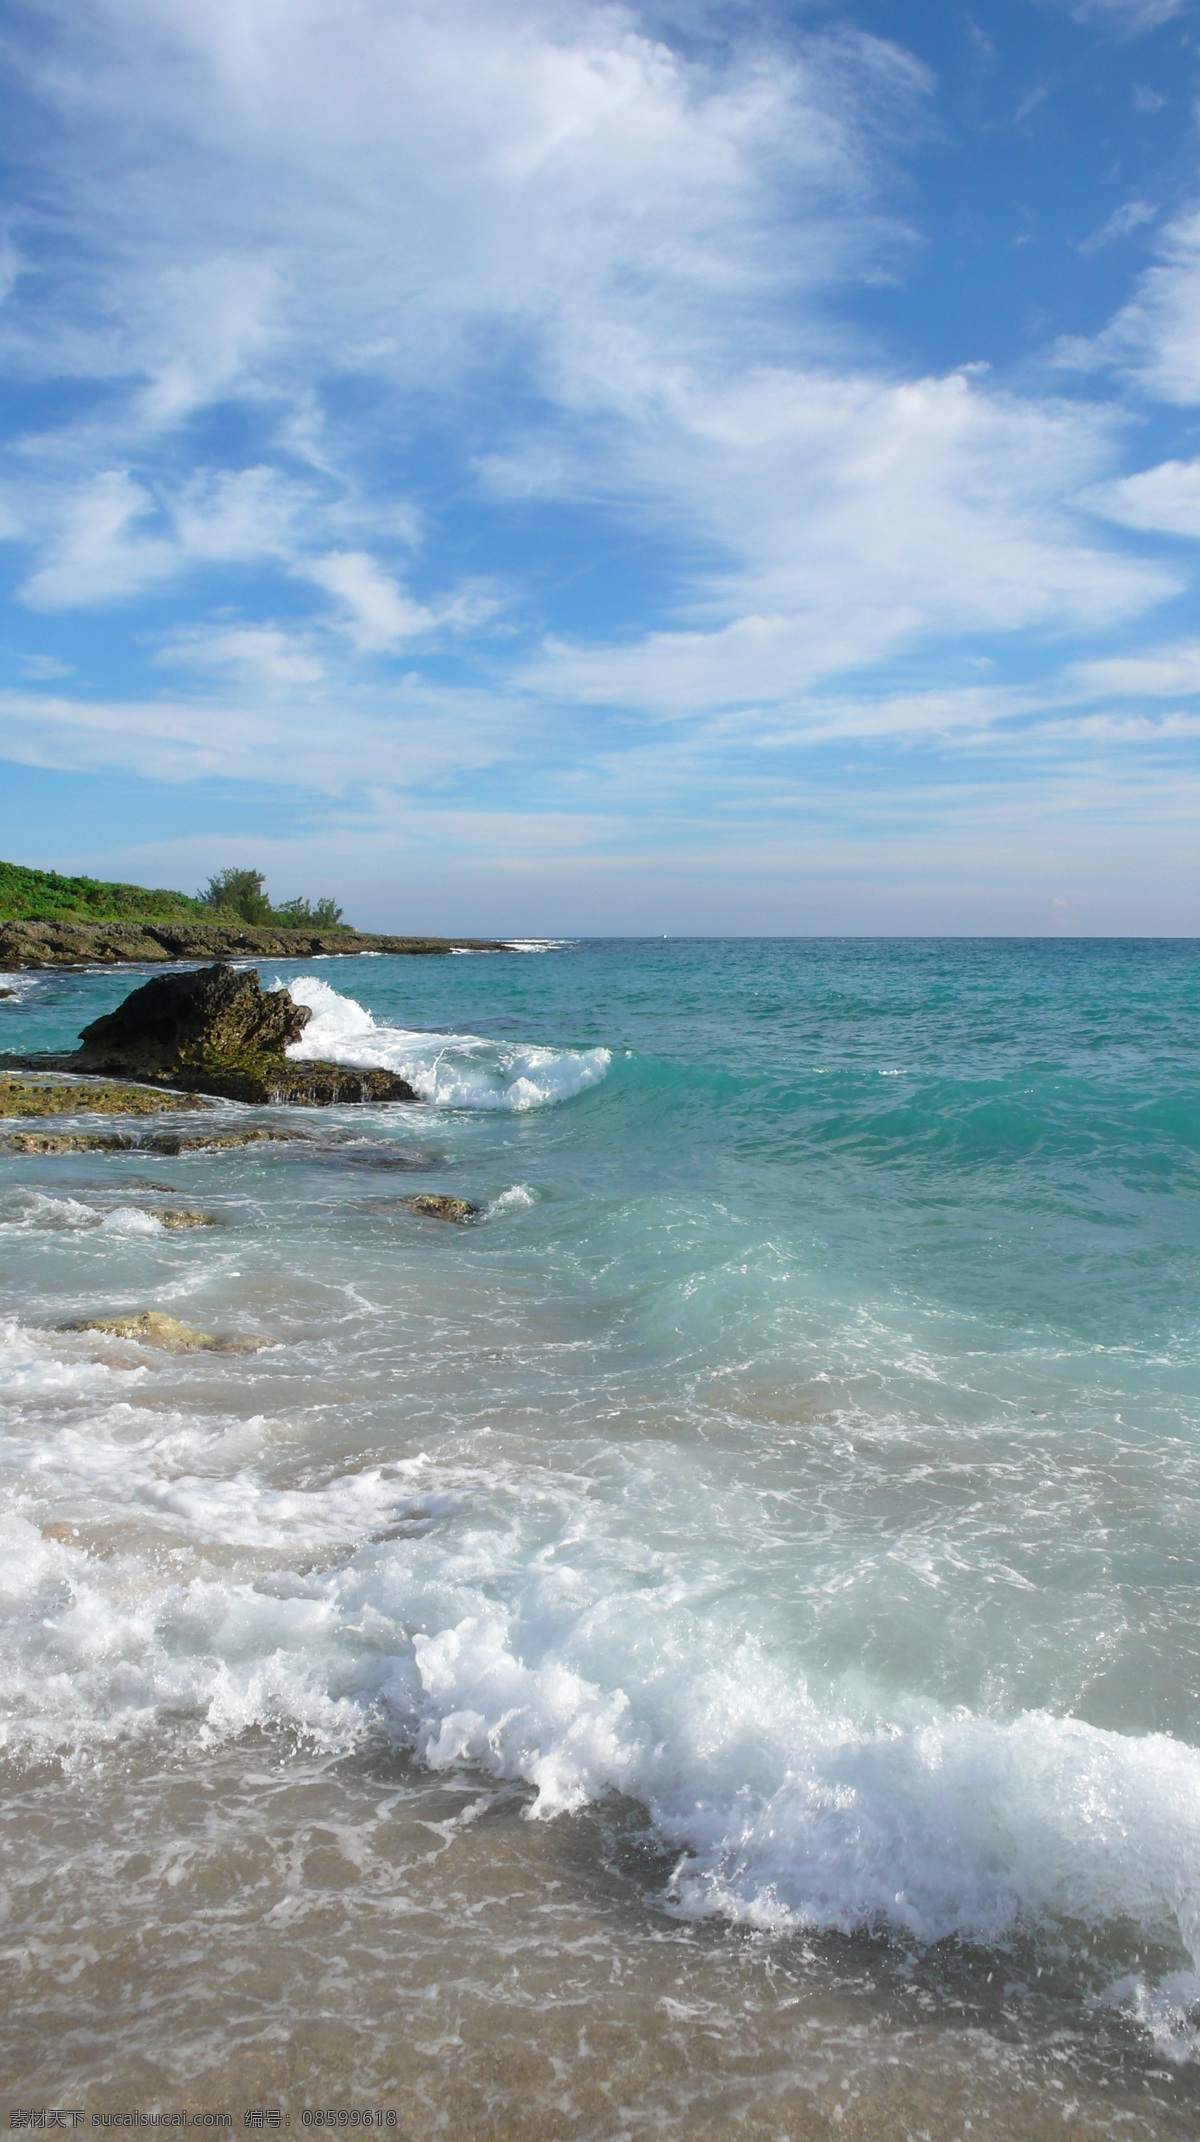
97,548
1126,17
10,266
238,515
102,551
1156,337
603,272
262,655
1160,673
863,518
378,613
291,734
1121,223
1163,500
374,186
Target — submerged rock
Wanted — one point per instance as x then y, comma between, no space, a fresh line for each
170,1143
219,1032
442,1208
182,1216
153,1327
66,1142
64,1097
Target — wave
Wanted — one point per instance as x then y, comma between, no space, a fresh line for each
512,1622
35,1209
449,1070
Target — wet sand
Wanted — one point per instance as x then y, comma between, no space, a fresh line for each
256,1926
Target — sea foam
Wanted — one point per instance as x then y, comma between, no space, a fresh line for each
449,1070
525,1626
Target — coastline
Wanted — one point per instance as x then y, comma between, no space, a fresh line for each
119,944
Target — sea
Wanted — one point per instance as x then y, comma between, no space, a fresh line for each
710,1647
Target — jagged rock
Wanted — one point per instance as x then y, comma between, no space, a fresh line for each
185,1020
153,1327
442,1208
219,1032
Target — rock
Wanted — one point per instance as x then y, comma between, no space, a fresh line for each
168,1142
442,1208
84,1097
181,1216
110,944
154,1328
220,1141
65,1142
7,992
219,1032
194,1018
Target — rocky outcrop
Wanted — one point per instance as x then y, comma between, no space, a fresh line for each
155,1328
442,1208
181,1019
83,1097
216,1031
114,944
170,1143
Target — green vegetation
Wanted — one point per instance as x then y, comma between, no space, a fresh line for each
231,896
44,896
243,893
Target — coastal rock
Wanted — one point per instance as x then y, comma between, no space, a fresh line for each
442,1208
168,1142
219,1032
113,944
62,1097
153,1327
184,1020
66,1142
181,1216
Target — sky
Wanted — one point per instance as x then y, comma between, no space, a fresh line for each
521,466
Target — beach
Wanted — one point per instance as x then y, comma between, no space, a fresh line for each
706,1647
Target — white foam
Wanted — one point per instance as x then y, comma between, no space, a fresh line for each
517,1198
36,1209
524,1629
531,1624
449,1070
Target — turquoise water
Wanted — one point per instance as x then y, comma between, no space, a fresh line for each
801,1449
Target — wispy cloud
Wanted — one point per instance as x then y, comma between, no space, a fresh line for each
424,395
1121,224
1156,336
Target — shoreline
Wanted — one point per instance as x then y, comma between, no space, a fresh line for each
34,945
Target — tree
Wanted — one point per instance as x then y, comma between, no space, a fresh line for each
310,915
239,892
243,893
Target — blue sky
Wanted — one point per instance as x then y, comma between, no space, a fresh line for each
561,468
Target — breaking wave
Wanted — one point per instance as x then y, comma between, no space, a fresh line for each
450,1070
